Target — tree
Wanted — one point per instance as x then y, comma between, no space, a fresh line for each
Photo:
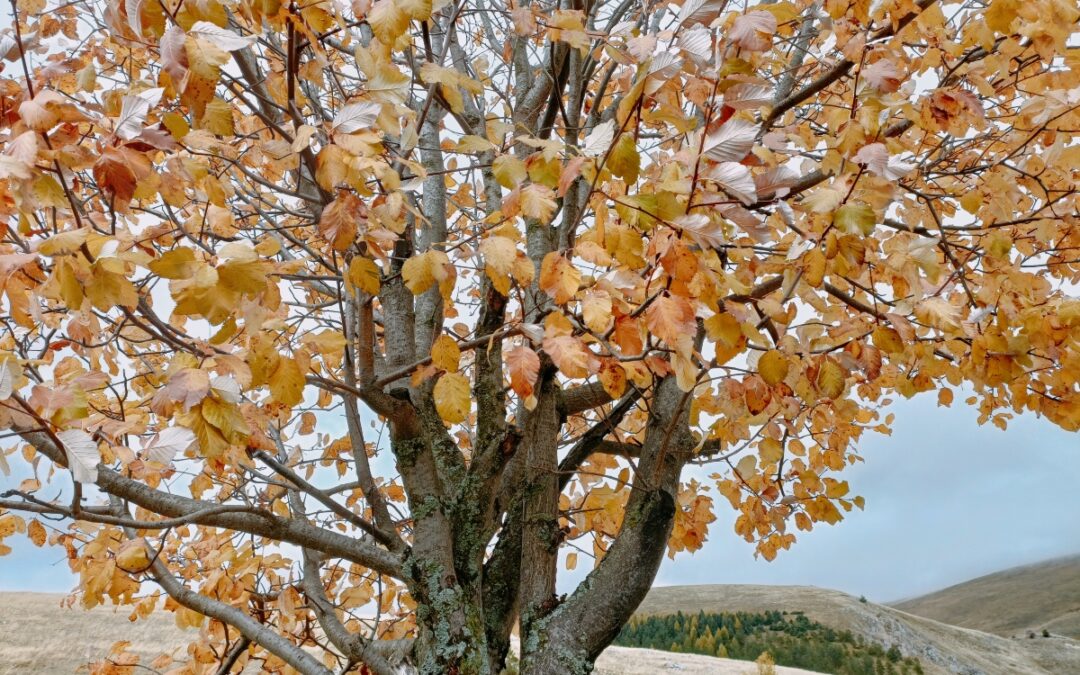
345,324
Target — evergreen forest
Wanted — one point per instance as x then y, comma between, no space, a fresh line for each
790,638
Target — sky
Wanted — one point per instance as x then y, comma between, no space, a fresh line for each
946,500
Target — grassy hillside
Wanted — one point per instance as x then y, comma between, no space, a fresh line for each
939,647
1012,602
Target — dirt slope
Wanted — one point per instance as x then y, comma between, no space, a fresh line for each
1011,602
941,648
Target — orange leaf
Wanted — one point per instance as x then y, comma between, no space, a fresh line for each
523,365
559,278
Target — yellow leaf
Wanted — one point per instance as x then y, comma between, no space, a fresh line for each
538,202
217,118
624,160
596,310
613,378
771,451
509,171
887,340
500,254
364,275
445,353
452,397
423,271
830,379
814,263
287,382
64,243
10,524
417,10
179,263
388,21
971,201
109,288
939,313
133,556
176,125
835,489
247,277
332,167
773,367
855,218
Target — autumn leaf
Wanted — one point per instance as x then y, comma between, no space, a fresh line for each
287,382
36,532
221,38
133,557
523,366
570,356
883,75
773,367
165,445
830,379
671,318
753,31
538,202
731,142
855,218
340,220
177,263
423,271
705,232
509,171
364,274
599,139
356,117
559,278
82,454
445,353
452,397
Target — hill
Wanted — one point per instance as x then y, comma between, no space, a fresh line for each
1015,601
38,635
939,647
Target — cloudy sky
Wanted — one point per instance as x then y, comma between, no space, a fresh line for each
946,500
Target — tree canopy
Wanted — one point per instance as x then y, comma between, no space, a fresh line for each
338,328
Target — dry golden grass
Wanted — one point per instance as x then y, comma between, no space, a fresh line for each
1012,602
39,636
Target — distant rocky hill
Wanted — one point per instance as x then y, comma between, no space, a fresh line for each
1015,601
941,648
